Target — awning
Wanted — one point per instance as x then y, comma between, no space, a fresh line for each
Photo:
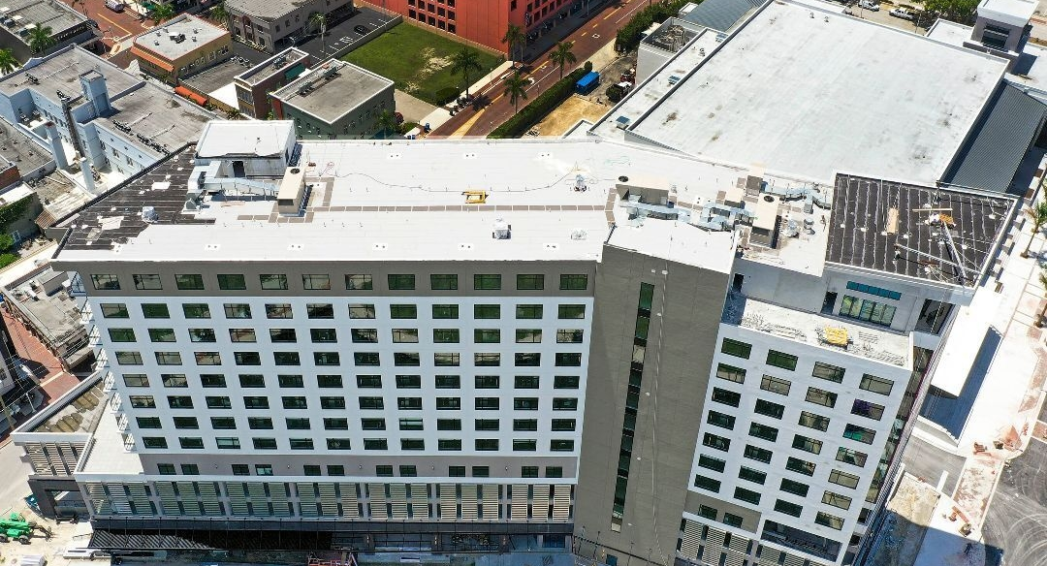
184,92
142,54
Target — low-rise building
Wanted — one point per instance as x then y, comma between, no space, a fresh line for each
338,100
278,24
19,19
180,47
254,85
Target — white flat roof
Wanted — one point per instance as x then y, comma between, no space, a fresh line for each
1014,12
244,137
811,92
390,201
196,32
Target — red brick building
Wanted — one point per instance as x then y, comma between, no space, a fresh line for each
480,21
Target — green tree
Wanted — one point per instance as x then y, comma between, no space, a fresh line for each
233,114
1043,283
386,123
1038,215
563,56
40,39
219,13
464,63
8,63
513,38
516,87
961,11
319,22
162,13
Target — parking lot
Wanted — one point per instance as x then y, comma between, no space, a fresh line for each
342,34
882,16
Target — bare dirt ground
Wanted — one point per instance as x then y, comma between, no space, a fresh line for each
567,115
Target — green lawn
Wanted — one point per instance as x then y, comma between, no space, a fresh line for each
417,60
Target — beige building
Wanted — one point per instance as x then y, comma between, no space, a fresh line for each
180,47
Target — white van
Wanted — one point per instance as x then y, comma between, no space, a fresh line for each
115,5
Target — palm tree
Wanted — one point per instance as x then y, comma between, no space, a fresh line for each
218,13
8,63
465,62
319,21
162,12
1043,282
40,39
516,88
1038,215
386,123
563,56
513,37
233,114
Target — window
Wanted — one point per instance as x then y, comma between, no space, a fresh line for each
524,445
758,454
487,336
319,310
364,335
534,282
114,310
208,358
152,422
323,335
189,282
481,471
487,382
763,431
129,358
525,404
781,360
800,466
788,508
147,282
708,484
711,463
332,444
807,444
154,442
335,423
155,310
861,434
933,316
828,372
358,283
775,385
326,358
311,470
736,348
441,312
487,360
286,359
769,409
529,312
749,474
554,471
105,282
123,334
260,423
328,381
574,282
821,397
863,408
563,425
373,424
174,380
212,380
136,380
407,359
528,335
218,403
814,421
486,403
836,500
264,443
237,310
403,311
191,443
870,290
487,312
747,495
868,311
440,282
405,335
571,311
717,442
794,487
196,310
316,282
557,445
168,358
732,520
201,335
876,384
232,282
256,402
726,397
254,380
166,469
279,310
852,457
332,403
401,282
526,382
448,382
273,282
570,336
827,520
842,478
720,420
227,443
487,282
486,425
372,403
223,423
730,373
247,358
562,359
369,381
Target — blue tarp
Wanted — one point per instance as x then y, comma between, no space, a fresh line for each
587,83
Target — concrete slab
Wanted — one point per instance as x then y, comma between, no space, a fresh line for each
413,109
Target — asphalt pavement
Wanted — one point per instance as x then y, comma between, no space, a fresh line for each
1016,524
15,471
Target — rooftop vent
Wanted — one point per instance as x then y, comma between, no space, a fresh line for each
502,230
149,214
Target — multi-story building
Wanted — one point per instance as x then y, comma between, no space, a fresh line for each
337,100
254,85
275,26
19,19
626,343
181,47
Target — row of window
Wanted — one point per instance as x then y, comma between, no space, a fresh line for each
323,311
365,403
361,359
381,470
248,381
406,444
367,424
358,335
322,282
808,419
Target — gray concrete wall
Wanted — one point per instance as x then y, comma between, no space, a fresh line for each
684,321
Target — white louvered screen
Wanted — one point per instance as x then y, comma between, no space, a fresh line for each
350,502
259,502
328,499
376,498
692,539
237,498
793,560
190,503
519,502
140,499
278,493
307,499
490,502
98,499
168,499
713,545
469,502
448,502
770,556
121,503
562,502
540,503
398,498
209,499
419,502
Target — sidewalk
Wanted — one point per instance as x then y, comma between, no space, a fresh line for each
441,115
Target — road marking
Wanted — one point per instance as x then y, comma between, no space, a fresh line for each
596,36
583,34
609,14
127,31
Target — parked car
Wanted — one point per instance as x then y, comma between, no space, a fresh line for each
903,14
114,5
361,29
870,5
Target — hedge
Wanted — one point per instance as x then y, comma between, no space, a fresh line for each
531,114
629,35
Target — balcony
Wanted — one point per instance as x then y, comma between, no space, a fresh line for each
828,332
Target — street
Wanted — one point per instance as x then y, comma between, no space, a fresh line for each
1017,518
15,473
115,26
600,29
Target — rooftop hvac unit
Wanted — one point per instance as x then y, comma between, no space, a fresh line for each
502,230
579,234
149,214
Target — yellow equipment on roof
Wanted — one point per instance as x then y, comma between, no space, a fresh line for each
836,336
475,197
